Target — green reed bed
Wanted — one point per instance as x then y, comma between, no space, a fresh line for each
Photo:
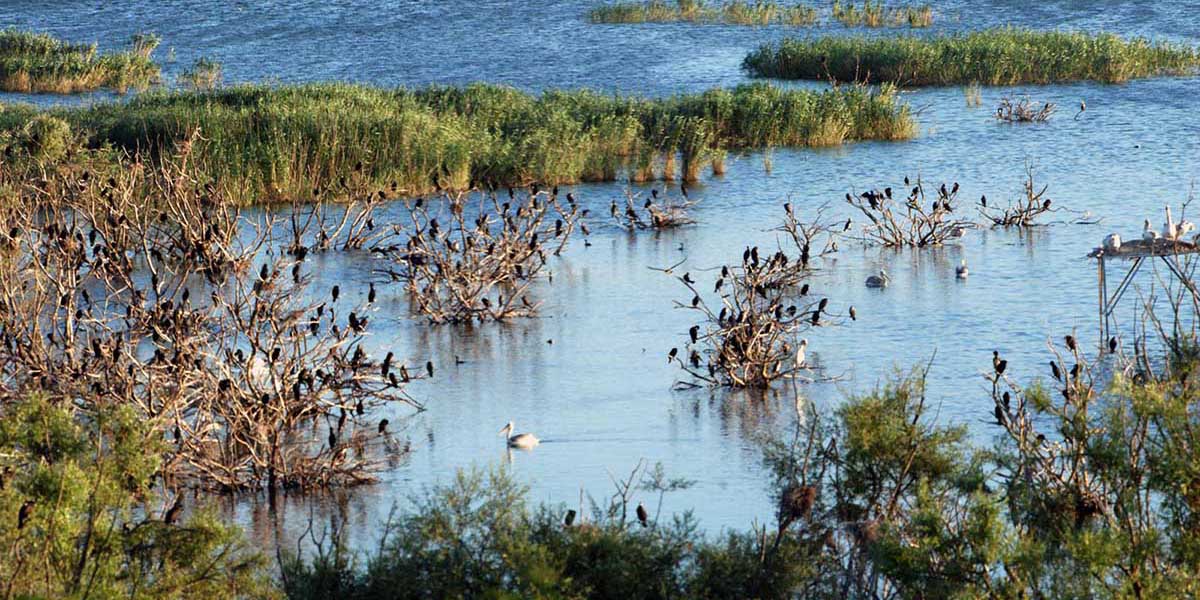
279,143
875,14
37,62
736,12
1005,56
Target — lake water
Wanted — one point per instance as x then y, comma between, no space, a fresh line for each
601,394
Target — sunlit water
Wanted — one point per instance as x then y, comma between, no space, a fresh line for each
600,394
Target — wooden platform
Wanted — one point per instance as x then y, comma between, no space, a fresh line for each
1146,248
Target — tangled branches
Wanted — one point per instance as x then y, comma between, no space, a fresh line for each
139,289
659,215
752,340
480,263
1023,212
1023,111
898,225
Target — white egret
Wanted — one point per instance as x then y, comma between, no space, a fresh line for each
520,440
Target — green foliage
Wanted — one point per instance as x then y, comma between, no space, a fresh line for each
204,74
38,62
280,143
1006,56
73,515
875,14
733,12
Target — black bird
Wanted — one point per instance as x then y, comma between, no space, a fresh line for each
173,513
24,514
683,190
569,520
999,415
1054,371
1007,401
717,287
654,192
694,332
672,354
1046,204
335,292
1112,345
429,367
1070,340
804,290
821,306
996,359
371,293
387,363
687,278
383,423
1001,366
1075,371
906,183
695,301
264,272
642,516
983,200
332,439
816,318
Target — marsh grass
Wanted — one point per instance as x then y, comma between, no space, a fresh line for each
205,74
38,62
1005,56
270,144
735,12
875,14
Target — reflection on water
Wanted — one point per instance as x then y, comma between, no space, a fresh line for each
590,376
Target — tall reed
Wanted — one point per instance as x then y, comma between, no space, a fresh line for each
875,14
269,144
1005,56
38,62
733,12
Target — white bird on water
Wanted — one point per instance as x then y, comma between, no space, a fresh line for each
520,440
961,271
878,281
1148,233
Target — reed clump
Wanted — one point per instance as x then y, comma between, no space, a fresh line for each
204,75
276,144
1005,56
875,14
733,12
41,63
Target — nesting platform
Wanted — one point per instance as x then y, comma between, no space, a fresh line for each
1169,251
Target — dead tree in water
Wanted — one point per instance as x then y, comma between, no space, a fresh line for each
659,213
1024,111
467,261
753,338
1023,212
141,286
914,221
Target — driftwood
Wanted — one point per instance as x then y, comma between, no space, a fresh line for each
1024,111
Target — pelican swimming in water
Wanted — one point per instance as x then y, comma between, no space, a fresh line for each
1149,234
961,271
878,281
520,440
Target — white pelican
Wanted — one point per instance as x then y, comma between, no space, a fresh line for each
961,271
1170,231
878,281
1112,242
1184,228
1149,234
520,440
800,359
